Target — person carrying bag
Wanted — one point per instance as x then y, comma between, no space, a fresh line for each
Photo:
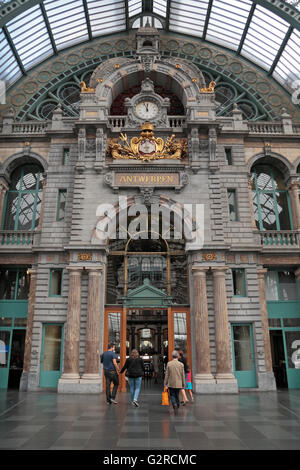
135,371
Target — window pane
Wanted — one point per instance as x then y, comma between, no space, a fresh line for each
180,331
287,285
291,322
267,211
114,330
238,278
62,195
232,204
271,286
4,348
274,322
8,279
55,282
283,211
19,322
23,286
242,347
5,321
52,347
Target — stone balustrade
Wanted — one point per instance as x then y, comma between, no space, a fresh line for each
280,238
18,238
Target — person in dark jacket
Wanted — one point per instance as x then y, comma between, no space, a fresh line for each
135,371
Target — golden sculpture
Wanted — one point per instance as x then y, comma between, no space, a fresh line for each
210,89
85,89
147,147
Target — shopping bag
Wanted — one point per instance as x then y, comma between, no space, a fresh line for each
165,397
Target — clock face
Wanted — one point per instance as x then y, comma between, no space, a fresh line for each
146,110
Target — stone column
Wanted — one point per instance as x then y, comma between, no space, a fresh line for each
293,189
92,339
268,382
203,378
29,329
251,203
224,377
3,189
71,347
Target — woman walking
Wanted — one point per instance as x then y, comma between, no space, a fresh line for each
135,371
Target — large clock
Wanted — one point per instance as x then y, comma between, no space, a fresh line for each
146,109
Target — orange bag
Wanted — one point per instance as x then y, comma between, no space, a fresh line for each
165,397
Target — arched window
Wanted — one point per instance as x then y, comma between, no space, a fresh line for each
23,199
270,199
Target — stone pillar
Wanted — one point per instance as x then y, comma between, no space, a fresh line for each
70,374
203,379
225,380
293,189
3,189
44,183
267,382
91,377
251,203
29,329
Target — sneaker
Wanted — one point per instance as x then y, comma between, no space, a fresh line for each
113,401
136,403
108,402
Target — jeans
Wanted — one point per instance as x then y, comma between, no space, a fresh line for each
174,395
135,387
111,376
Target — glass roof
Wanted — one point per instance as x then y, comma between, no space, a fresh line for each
247,27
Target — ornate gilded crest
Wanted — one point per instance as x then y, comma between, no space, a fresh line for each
147,147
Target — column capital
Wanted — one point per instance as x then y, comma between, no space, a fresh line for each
261,272
297,273
32,271
219,270
97,270
199,270
75,269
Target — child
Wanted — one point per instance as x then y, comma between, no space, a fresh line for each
189,384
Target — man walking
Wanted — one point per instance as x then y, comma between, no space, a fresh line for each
174,380
111,373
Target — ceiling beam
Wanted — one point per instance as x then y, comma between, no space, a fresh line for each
168,15
14,50
126,14
87,18
207,19
281,49
250,16
47,23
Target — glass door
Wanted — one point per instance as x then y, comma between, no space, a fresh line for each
51,355
5,347
243,355
292,352
179,332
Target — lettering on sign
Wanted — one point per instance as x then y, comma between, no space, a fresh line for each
137,179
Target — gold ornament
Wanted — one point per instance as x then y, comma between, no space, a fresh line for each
85,89
210,89
147,147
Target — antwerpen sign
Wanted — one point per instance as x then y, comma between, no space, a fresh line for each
147,179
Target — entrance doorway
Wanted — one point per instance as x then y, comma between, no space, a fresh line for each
278,358
147,330
12,344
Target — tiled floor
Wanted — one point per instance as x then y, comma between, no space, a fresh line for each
46,420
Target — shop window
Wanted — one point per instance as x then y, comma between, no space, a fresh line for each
281,286
61,204
55,288
14,284
232,204
239,282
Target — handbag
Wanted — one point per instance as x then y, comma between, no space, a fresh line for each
165,397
